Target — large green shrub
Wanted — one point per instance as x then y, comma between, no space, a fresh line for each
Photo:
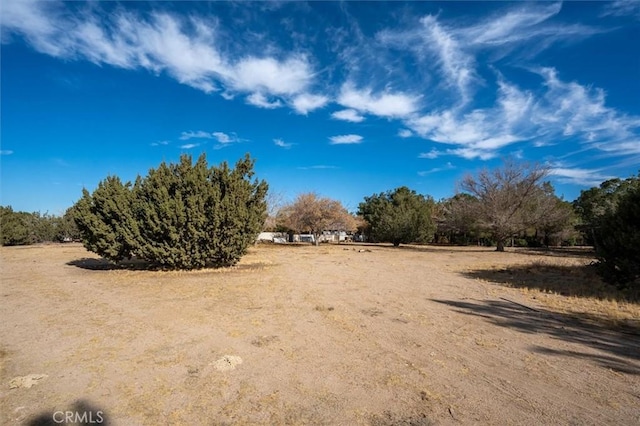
400,217
21,228
180,216
617,241
14,227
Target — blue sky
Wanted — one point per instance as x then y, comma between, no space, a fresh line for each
343,98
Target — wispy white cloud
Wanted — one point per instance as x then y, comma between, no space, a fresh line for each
471,153
226,139
348,115
317,167
432,42
345,139
447,166
450,49
560,112
521,22
434,153
6,152
187,49
405,133
199,134
306,102
579,176
385,104
282,144
261,101
189,145
457,65
479,133
222,137
289,77
442,54
571,110
160,143
629,8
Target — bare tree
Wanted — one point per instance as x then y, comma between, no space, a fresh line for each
313,214
509,199
275,201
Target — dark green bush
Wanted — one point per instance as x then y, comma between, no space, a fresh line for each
14,227
400,216
181,216
617,242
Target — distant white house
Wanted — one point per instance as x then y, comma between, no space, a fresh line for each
334,237
304,238
273,237
325,237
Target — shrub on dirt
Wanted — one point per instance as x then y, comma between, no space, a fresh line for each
180,216
105,219
617,242
22,228
401,216
14,228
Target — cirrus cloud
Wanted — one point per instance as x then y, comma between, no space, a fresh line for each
187,49
385,104
348,115
345,139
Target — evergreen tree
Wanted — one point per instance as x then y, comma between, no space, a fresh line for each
597,204
105,219
14,229
617,241
181,216
401,216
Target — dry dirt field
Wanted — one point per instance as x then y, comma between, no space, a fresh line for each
344,335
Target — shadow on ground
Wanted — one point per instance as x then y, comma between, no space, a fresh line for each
81,412
568,252
94,264
427,248
618,349
566,280
583,252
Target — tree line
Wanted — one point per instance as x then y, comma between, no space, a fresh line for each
22,228
189,215
508,204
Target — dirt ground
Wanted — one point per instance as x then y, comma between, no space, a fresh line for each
345,334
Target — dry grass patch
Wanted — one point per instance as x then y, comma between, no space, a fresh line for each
568,285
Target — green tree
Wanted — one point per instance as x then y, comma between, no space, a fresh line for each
617,241
400,216
456,218
19,228
181,216
191,216
42,227
14,227
597,203
67,228
105,219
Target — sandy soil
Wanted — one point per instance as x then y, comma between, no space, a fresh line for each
305,335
